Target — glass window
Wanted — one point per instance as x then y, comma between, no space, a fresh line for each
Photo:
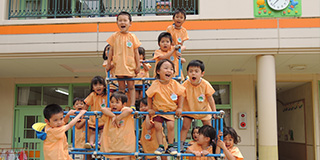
81,91
55,94
29,96
222,94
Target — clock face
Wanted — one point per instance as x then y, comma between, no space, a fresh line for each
278,4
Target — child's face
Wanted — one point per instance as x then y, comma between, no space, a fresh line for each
203,139
195,134
166,71
195,74
143,107
123,23
98,88
228,140
56,120
178,19
165,44
116,105
79,105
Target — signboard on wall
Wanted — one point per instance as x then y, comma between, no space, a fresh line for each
277,8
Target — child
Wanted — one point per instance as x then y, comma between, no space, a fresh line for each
198,97
80,129
179,34
148,135
96,99
55,146
118,129
165,95
144,71
124,54
195,135
168,51
105,55
230,137
205,144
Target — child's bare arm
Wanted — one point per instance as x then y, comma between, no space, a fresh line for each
222,145
180,105
66,118
124,114
167,56
149,123
137,59
80,123
196,153
150,109
107,112
75,120
212,104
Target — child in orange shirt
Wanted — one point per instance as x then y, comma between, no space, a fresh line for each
205,144
144,71
179,34
97,99
168,51
55,146
165,95
124,54
198,97
105,55
118,132
194,135
230,137
148,134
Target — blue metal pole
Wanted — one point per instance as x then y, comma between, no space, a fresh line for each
137,133
108,91
74,137
179,131
221,129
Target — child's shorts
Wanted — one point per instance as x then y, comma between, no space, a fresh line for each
160,119
99,128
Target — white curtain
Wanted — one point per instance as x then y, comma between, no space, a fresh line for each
24,93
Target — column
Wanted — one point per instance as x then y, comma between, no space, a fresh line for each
267,108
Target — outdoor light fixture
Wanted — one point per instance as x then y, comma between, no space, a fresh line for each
62,91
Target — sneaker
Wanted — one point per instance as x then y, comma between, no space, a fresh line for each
181,146
88,146
159,151
172,151
133,107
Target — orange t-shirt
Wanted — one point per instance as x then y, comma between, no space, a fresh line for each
165,96
149,146
80,136
196,99
178,35
197,147
143,73
123,45
120,139
236,153
95,101
173,58
55,146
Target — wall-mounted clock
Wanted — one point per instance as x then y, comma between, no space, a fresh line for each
278,4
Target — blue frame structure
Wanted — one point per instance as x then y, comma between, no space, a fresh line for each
96,154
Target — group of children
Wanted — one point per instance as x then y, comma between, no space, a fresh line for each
123,58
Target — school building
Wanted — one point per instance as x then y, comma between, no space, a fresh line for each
261,56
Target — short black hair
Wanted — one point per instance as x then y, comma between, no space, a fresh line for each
233,134
96,80
159,64
196,63
125,13
78,99
164,34
50,110
106,49
142,52
118,95
180,10
144,100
